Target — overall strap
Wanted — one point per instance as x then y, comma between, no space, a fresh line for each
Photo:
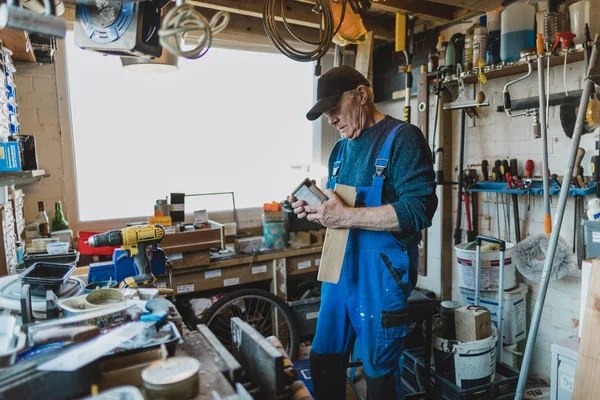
337,164
382,159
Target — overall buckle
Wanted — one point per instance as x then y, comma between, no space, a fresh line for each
380,166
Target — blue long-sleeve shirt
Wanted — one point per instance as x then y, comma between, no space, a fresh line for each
409,184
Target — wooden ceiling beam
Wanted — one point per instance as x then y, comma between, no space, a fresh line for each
477,5
418,8
297,13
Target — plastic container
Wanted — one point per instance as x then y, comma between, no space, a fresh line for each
514,315
593,212
466,364
490,262
274,227
70,258
40,244
581,13
306,313
469,41
162,208
480,41
57,248
46,276
517,28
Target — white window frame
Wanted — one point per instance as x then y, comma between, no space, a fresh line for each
324,137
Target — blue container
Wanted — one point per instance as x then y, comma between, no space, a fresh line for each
513,43
274,234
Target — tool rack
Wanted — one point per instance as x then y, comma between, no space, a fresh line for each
535,189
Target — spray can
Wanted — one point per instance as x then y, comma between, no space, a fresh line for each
480,40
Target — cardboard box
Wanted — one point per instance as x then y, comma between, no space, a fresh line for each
472,323
127,370
248,245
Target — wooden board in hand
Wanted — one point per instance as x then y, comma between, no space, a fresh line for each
334,245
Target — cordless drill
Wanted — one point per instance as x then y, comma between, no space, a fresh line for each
134,240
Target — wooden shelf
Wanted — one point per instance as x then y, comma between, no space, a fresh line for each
515,68
22,177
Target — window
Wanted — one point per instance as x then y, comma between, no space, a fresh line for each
230,121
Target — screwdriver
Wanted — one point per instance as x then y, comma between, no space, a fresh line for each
484,169
514,167
497,165
504,169
529,167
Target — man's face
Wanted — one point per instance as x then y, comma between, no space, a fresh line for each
345,116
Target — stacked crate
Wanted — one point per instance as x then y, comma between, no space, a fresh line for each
10,110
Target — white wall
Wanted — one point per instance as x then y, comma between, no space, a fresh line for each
38,116
496,136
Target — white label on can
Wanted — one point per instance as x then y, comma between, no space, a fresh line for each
231,282
312,315
161,285
212,274
304,264
259,269
318,262
596,237
177,207
175,256
185,288
566,382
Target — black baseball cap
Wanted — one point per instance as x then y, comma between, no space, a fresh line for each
330,87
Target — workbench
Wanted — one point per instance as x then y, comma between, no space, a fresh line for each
228,271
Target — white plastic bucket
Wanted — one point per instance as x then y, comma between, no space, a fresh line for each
467,364
490,262
514,324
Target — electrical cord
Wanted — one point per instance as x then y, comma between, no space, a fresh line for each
323,8
184,20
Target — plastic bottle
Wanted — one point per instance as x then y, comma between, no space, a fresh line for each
492,55
162,208
480,40
517,27
593,209
468,53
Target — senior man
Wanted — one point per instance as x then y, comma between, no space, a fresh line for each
390,164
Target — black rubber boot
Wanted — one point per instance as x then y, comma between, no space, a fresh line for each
381,388
328,374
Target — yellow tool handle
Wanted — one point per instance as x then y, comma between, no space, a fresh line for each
548,224
539,43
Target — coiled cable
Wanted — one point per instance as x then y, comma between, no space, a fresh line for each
184,19
327,33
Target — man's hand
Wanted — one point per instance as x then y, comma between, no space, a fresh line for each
298,206
331,214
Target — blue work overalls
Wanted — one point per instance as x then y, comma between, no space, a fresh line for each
368,302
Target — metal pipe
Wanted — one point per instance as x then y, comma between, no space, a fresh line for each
562,202
500,306
544,132
477,266
457,229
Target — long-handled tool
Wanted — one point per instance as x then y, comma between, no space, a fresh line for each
500,314
588,87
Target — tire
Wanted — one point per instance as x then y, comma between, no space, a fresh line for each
240,303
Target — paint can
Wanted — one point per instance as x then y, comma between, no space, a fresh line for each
174,378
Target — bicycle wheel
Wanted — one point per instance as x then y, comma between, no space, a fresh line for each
266,313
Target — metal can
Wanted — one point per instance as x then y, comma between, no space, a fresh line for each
162,208
174,378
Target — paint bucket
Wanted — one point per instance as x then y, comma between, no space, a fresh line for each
466,364
490,262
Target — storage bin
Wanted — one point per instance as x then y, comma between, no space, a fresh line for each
592,238
515,310
564,364
306,313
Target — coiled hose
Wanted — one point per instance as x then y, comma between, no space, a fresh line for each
184,20
327,33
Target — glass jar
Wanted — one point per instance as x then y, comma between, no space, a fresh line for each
274,229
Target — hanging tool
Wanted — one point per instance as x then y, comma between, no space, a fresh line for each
529,167
578,158
405,28
595,167
462,102
457,229
135,240
588,87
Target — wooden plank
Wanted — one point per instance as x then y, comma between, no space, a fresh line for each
280,278
423,124
478,5
299,14
18,42
204,236
334,246
192,259
445,194
438,12
364,57
587,374
189,247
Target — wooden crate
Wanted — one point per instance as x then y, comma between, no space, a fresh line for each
183,242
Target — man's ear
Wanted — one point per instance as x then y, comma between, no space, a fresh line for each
363,94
